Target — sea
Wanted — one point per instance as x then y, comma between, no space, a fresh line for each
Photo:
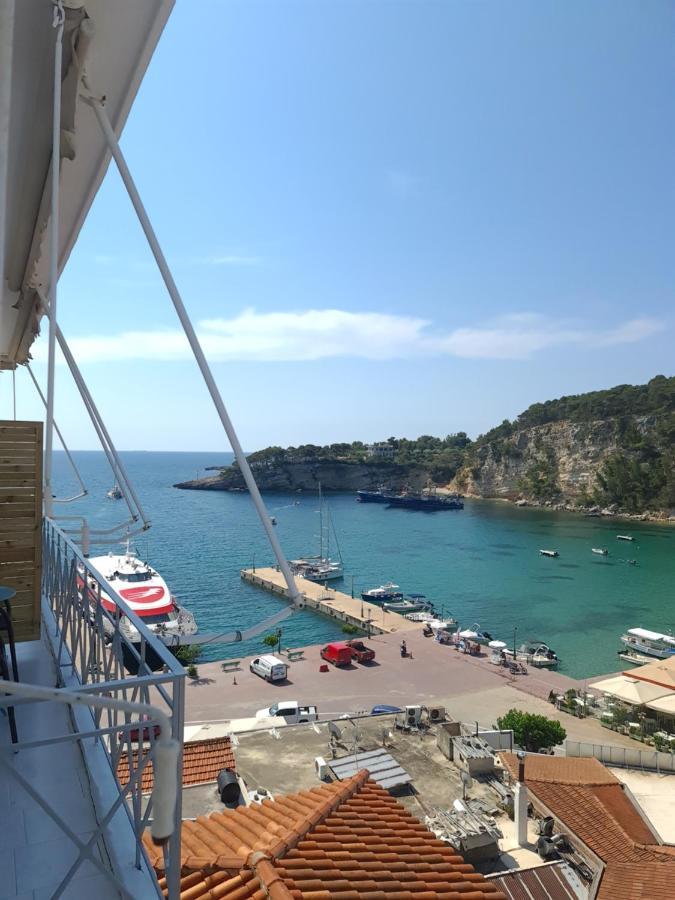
480,565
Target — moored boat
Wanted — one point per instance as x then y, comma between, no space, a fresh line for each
145,592
649,643
624,537
412,603
386,593
600,551
549,553
378,496
535,653
424,502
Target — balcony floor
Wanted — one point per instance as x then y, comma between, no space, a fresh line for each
34,853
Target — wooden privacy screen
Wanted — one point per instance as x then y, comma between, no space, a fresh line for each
21,522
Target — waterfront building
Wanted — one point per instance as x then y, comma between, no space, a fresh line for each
381,451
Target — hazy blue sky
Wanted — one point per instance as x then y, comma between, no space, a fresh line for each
386,217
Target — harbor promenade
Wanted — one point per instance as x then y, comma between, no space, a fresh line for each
470,688
332,603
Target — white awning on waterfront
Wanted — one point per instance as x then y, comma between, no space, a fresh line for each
660,672
632,690
664,704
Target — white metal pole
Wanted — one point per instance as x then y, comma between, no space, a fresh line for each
195,345
59,18
14,391
104,436
83,487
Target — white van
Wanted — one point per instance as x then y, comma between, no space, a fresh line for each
271,668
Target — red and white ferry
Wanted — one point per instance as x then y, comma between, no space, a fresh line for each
144,590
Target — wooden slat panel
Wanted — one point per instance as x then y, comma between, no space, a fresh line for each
21,522
16,511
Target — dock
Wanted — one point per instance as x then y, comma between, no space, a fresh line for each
323,599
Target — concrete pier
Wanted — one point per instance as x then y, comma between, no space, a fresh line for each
334,604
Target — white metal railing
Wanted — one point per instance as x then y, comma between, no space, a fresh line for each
623,757
137,690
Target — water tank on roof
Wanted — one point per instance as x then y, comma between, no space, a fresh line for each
228,786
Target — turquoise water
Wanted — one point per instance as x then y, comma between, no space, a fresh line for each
482,564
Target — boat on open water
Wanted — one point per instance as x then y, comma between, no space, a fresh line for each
549,553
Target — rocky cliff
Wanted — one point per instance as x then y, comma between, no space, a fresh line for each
555,463
332,475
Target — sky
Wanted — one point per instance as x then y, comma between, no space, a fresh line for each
385,218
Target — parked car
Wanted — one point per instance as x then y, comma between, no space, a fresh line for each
360,652
383,709
269,667
338,653
290,711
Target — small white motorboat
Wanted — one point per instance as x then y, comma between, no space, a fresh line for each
549,553
114,493
600,551
624,537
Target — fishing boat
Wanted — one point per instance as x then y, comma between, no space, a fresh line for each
600,551
624,537
633,657
649,643
321,568
475,633
549,553
386,593
145,592
114,493
535,653
411,603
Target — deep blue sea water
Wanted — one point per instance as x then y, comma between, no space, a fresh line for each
481,564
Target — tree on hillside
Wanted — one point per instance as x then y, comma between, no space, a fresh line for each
531,731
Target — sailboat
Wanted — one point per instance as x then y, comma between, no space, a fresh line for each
321,568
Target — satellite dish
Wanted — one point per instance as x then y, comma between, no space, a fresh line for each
334,731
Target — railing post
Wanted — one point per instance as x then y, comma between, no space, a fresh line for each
177,726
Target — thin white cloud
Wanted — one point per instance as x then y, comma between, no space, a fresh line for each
328,333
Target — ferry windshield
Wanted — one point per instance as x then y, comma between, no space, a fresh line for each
133,576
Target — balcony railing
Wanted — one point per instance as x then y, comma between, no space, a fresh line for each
94,654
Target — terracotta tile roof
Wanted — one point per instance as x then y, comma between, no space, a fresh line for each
202,761
601,815
341,841
560,769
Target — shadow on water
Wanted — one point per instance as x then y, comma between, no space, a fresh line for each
502,553
569,565
554,578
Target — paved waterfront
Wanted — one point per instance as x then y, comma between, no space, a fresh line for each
332,603
470,688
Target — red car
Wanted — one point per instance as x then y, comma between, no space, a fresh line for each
360,652
339,653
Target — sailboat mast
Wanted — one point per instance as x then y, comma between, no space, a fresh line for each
320,523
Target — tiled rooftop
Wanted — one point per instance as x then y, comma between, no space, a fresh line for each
548,882
560,769
594,807
340,841
202,761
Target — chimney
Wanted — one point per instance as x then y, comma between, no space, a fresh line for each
520,802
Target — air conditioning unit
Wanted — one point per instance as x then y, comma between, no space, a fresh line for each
413,715
321,768
436,713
